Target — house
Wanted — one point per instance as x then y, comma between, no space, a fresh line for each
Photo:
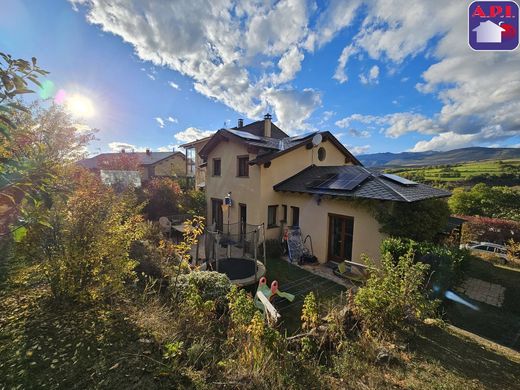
149,164
308,181
195,167
488,32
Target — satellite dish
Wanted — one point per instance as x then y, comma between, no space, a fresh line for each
316,140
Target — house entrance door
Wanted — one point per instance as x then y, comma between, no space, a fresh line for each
341,233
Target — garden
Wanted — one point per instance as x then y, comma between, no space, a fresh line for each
92,295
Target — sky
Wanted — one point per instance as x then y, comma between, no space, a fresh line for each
382,75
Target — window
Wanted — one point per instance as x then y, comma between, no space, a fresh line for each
216,167
190,162
271,216
243,166
295,216
322,153
284,213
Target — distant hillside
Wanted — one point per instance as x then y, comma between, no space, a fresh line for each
455,156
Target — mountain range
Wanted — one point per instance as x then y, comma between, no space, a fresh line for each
454,156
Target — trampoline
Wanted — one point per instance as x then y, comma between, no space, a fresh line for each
234,252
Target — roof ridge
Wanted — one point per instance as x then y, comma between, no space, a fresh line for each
393,189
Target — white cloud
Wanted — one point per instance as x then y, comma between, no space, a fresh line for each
160,121
170,148
172,119
289,65
479,91
451,140
359,133
338,15
218,44
395,125
151,76
118,146
340,73
174,85
371,77
358,149
293,107
192,134
229,49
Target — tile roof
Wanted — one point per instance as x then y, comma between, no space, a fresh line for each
257,128
375,186
143,157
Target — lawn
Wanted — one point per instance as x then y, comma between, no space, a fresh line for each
498,324
466,170
297,281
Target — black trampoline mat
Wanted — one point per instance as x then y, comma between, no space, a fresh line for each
236,268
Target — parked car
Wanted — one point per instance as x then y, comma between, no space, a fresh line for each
488,248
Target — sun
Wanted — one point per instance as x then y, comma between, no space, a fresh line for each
80,106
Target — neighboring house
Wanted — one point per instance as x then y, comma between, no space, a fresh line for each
306,181
150,164
195,167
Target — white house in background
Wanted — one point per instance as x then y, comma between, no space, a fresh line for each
489,32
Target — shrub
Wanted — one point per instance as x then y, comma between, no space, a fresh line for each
164,197
420,221
210,285
446,264
195,202
84,247
489,229
394,298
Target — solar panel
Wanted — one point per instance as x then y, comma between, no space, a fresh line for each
320,180
398,179
245,134
345,181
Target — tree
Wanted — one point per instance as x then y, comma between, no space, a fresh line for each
83,250
486,201
41,144
119,162
164,197
420,221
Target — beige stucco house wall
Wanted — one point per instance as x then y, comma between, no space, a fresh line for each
244,190
256,192
170,166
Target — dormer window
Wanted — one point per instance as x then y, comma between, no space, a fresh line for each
243,166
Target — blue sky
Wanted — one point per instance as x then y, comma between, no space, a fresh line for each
383,75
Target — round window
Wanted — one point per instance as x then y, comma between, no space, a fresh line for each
322,153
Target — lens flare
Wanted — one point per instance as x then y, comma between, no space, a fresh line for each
60,97
47,89
455,298
79,106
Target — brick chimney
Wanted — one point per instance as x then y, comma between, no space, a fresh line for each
148,152
240,123
267,125
123,150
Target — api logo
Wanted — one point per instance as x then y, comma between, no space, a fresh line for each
493,25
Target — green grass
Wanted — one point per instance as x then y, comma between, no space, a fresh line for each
47,345
297,281
466,170
498,324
